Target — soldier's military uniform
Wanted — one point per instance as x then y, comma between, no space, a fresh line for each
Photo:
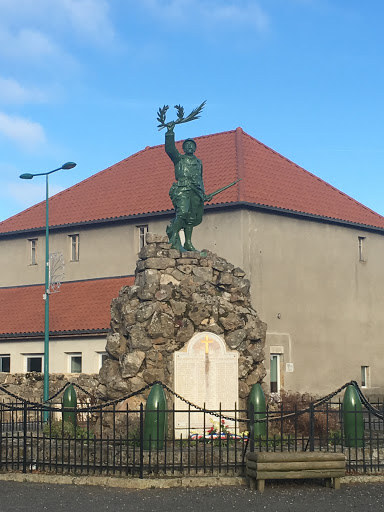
187,193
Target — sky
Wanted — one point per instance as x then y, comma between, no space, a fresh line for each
82,81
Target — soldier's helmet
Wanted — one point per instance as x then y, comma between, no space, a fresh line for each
189,140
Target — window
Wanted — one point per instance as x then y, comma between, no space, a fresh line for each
5,363
75,363
33,251
75,240
143,230
361,248
34,362
364,376
102,357
275,373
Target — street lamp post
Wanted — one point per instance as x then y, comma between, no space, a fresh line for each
28,176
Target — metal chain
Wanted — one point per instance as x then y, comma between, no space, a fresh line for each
95,408
202,409
29,402
82,389
366,403
277,417
57,393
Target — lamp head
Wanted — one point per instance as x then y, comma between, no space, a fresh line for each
26,176
68,165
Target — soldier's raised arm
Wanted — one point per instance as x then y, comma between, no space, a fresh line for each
170,146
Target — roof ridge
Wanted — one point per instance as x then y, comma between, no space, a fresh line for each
314,176
240,161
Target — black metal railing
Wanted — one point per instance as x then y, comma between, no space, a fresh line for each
111,439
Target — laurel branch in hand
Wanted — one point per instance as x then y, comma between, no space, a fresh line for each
195,114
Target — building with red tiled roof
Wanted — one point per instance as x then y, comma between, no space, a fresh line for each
79,320
312,253
78,308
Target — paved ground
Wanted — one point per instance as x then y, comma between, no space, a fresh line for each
308,497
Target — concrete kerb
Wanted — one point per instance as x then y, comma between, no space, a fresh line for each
155,483
126,483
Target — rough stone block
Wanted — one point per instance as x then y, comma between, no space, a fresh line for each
186,261
167,278
225,278
185,269
139,339
131,363
191,254
148,251
159,263
231,322
151,375
235,338
204,273
161,325
116,344
152,238
145,311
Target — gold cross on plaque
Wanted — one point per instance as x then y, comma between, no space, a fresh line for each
206,341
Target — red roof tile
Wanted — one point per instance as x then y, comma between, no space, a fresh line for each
140,184
79,306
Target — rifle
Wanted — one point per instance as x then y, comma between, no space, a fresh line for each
212,194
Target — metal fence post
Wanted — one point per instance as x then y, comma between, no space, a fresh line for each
25,411
311,428
252,426
141,441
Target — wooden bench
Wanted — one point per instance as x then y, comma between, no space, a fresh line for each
283,465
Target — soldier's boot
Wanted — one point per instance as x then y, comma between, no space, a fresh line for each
188,238
173,234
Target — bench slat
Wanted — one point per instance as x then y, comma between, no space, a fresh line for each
307,473
295,456
292,466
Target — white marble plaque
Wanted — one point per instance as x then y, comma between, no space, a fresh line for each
206,374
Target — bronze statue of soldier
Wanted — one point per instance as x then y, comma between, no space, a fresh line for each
187,192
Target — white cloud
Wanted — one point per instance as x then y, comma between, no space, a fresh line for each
26,43
24,132
88,18
12,91
210,13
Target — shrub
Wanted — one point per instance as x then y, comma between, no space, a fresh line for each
325,421
68,430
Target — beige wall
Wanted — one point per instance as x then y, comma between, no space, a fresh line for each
323,306
59,350
106,250
103,251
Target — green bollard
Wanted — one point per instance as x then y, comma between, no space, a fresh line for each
155,420
257,398
70,401
353,418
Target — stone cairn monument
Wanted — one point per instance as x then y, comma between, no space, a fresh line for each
176,296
